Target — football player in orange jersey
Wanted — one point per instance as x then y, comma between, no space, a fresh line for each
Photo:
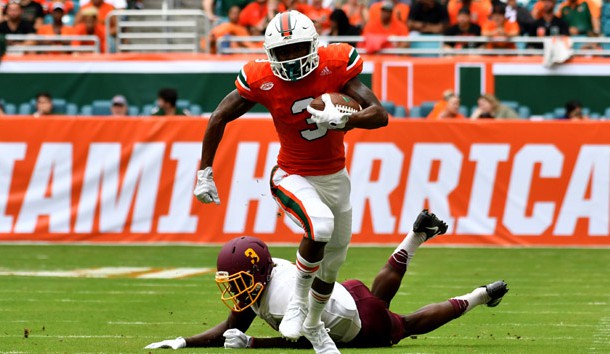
310,182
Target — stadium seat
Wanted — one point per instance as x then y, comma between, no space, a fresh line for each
549,116
559,112
389,106
101,107
59,106
514,105
400,112
415,112
25,108
147,109
524,112
606,11
10,108
606,29
133,111
426,108
424,45
586,111
607,113
595,116
183,104
464,111
71,109
195,109
86,110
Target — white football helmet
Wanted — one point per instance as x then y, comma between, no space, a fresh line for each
288,28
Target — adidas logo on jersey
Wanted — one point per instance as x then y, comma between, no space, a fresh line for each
325,71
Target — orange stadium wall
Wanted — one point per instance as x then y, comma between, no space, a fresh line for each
130,180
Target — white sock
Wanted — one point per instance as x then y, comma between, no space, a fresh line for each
306,271
475,298
411,243
317,302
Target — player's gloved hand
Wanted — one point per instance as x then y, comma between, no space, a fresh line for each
234,338
330,117
205,190
170,343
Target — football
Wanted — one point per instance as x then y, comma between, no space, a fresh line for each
344,103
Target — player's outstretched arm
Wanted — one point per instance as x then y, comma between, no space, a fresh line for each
230,108
372,115
213,337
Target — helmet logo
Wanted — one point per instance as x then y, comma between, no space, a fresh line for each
254,257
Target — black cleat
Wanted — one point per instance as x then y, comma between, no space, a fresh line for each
496,292
429,224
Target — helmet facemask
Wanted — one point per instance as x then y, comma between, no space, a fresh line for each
297,68
238,291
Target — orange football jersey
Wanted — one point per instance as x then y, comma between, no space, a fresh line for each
306,149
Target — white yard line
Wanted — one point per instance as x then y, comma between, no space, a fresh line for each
113,272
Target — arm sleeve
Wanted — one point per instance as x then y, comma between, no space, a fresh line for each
242,83
353,66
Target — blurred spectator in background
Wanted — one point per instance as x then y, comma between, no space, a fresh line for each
452,109
488,106
320,15
14,24
479,10
230,28
57,27
32,12
102,10
1,109
400,11
117,4
577,15
463,27
119,106
548,24
376,31
340,26
574,111
166,104
357,12
499,27
428,17
47,5
448,107
517,13
44,105
257,14
218,10
90,26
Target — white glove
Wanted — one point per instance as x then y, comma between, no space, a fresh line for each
234,338
205,190
170,343
330,117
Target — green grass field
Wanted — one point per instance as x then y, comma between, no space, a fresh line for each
559,299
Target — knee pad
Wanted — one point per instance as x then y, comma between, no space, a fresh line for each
322,227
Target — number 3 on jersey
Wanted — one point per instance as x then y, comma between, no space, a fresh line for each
308,134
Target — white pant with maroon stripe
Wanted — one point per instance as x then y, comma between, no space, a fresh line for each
322,204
